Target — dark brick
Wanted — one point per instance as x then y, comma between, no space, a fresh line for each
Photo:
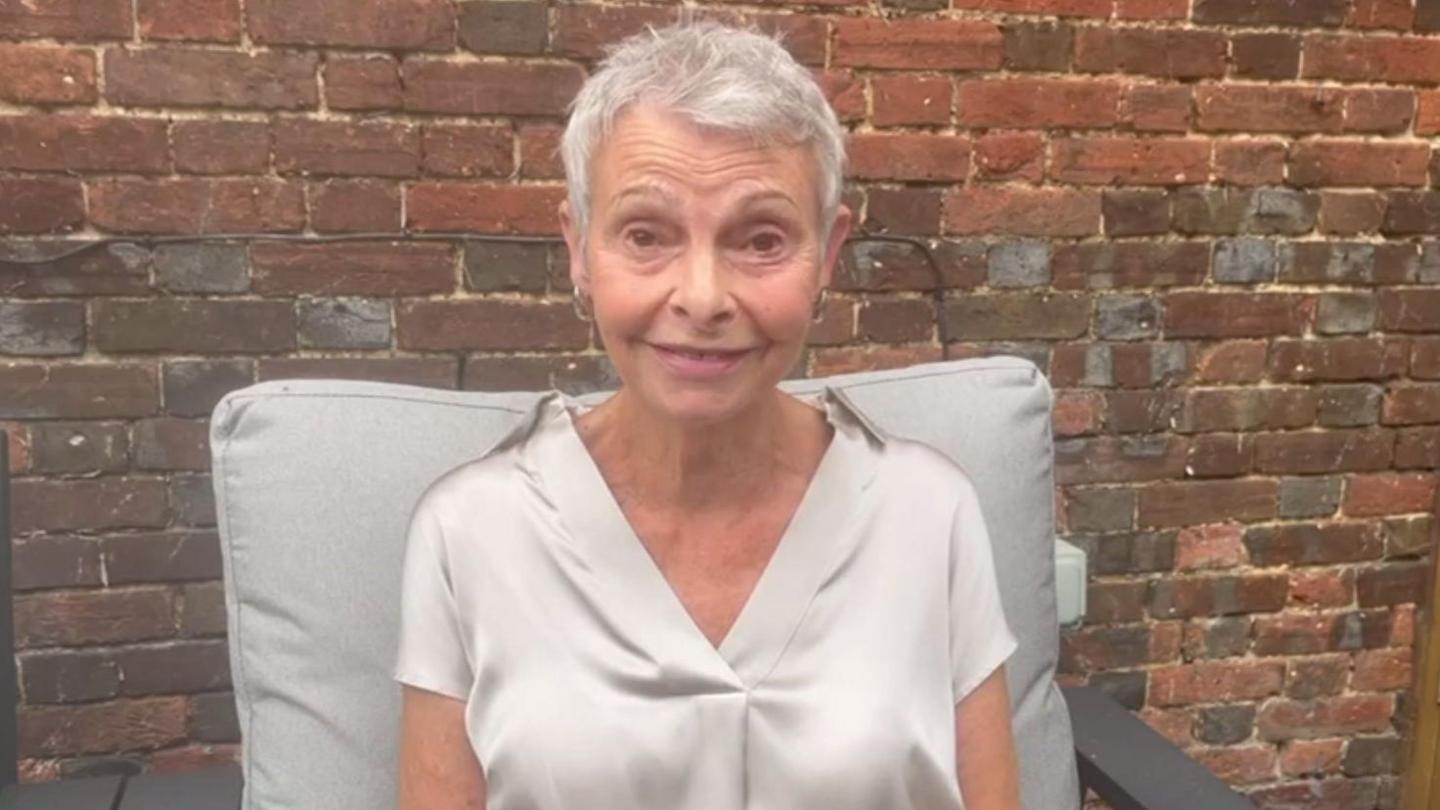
494,266
54,268
213,718
193,387
202,267
1136,212
1126,688
181,667
68,676
1313,544
343,323
1038,46
55,561
70,448
174,325
515,28
161,557
1225,725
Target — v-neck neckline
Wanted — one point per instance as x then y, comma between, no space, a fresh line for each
812,542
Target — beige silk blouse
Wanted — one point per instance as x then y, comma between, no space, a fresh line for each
587,684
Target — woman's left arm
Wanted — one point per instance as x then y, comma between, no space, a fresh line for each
985,747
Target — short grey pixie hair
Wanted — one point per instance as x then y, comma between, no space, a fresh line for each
717,77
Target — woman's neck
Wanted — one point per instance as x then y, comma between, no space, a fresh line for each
695,466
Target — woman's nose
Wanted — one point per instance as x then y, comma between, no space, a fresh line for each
701,292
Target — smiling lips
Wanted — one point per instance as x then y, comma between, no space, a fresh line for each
696,363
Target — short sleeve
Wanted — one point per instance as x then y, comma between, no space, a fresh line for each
980,637
431,652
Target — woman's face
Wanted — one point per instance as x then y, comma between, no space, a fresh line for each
704,259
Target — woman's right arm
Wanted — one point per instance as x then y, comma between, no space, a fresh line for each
438,768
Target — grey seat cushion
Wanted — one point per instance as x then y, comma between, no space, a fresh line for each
314,484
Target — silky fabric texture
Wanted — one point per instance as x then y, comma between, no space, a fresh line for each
526,594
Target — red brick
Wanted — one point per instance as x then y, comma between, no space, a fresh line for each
1425,358
905,100
489,88
1322,587
1372,59
362,82
1233,361
66,19
1238,765
1265,12
221,147
1133,161
1213,681
1209,546
582,31
184,77
1269,108
917,44
1250,163
1310,757
206,20
1412,212
80,143
36,205
483,208
908,156
67,391
1383,670
1188,503
1152,9
1393,584
456,150
1411,405
180,325
1398,14
378,24
846,359
540,152
1222,314
1250,408
1427,117
31,74
1114,264
488,324
93,617
1270,55
1299,633
1358,163
1325,717
355,206
901,210
1038,103
195,205
100,728
1416,310
1025,212
896,321
1063,8
1380,110
1316,676
1336,359
193,758
1389,493
1350,213
344,148
1307,452
1157,108
385,269
1171,54
1010,156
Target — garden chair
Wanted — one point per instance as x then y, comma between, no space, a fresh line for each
314,483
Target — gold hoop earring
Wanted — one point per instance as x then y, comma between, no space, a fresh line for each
817,313
582,312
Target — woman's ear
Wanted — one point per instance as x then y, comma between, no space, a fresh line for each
839,232
579,278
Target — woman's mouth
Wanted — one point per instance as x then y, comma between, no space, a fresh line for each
697,363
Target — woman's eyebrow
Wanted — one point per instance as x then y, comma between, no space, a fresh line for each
645,189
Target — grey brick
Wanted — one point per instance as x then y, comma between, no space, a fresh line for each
503,27
1127,317
193,387
343,323
1430,263
1099,365
1281,211
1245,260
1349,405
1167,360
42,328
492,266
1127,687
1210,210
1309,496
202,267
1100,510
1225,725
1345,314
1021,263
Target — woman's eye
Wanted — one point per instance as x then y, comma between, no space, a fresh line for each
766,242
641,238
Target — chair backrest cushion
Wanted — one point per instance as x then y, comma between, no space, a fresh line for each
315,481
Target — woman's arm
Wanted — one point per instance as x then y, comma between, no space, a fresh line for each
985,747
438,768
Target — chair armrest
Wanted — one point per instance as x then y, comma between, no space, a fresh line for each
1132,767
216,788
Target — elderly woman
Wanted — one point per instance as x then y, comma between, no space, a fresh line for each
703,593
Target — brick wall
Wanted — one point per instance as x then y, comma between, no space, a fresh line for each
1216,223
